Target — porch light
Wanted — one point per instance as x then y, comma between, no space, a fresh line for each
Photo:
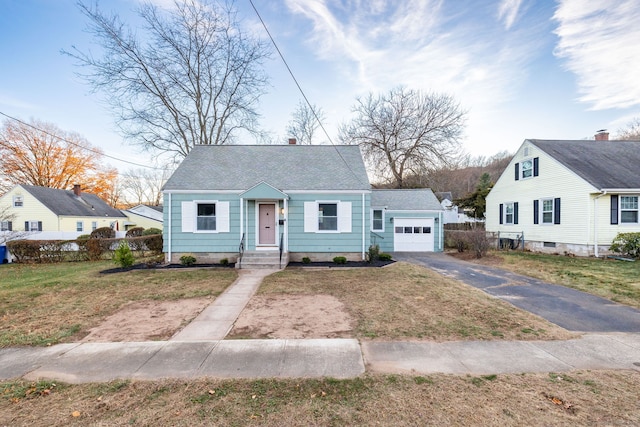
281,211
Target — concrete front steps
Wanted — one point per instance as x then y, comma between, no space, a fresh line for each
263,259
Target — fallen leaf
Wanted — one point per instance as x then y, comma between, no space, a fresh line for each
212,392
75,414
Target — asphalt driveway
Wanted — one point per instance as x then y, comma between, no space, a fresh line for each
569,308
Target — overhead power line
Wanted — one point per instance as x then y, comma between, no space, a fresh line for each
76,144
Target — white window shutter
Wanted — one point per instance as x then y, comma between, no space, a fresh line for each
222,217
344,217
188,217
310,217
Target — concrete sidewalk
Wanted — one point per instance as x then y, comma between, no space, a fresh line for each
313,358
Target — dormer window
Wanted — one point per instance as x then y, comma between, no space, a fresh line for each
526,169
17,201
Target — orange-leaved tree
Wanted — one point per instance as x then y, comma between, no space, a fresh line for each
40,153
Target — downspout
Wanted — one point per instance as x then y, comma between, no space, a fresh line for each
441,231
241,217
285,203
595,223
363,229
169,231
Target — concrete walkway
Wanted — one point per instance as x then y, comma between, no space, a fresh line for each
313,358
215,321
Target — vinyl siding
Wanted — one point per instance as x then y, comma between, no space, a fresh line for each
31,210
553,181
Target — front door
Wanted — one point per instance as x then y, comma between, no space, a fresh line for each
266,224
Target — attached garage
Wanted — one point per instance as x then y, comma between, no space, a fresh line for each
413,235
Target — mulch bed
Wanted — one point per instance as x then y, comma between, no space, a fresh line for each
159,266
348,264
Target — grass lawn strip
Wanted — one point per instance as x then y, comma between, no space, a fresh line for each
405,301
554,399
53,303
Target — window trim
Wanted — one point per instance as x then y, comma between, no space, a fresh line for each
505,213
522,169
311,217
328,202
636,210
6,226
94,225
381,229
551,211
18,199
196,204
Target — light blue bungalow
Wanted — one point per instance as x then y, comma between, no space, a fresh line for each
269,204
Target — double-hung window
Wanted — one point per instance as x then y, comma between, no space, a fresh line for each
377,220
327,217
5,225
628,209
79,226
206,217
527,168
94,225
33,226
508,213
547,211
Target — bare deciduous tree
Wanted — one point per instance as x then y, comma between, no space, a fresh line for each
191,77
631,132
304,123
143,186
405,132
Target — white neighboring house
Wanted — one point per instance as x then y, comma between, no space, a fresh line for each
144,216
568,196
451,213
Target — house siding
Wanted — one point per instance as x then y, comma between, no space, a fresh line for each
578,229
31,210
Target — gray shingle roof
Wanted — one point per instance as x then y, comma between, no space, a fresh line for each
604,164
285,167
419,199
65,202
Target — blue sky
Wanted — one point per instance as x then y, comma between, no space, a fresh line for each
522,68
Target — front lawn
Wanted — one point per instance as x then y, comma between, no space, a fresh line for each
43,304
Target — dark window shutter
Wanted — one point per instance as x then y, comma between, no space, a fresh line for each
501,213
26,226
614,209
10,226
517,171
556,210
535,166
536,212
39,225
515,213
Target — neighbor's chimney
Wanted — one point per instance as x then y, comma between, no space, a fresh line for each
76,190
602,135
292,141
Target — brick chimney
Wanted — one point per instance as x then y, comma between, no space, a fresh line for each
292,141
602,135
76,190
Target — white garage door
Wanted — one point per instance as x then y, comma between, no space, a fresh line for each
413,235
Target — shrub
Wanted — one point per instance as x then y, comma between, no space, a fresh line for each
123,255
187,260
340,260
154,242
151,231
94,249
25,250
374,253
306,260
477,241
103,233
627,244
224,261
384,257
135,232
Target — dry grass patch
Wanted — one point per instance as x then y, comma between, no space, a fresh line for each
617,281
576,398
52,303
404,301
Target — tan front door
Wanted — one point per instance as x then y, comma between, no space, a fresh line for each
266,224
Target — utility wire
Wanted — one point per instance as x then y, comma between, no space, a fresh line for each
300,89
76,144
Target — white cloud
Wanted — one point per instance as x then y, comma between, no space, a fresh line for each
600,42
508,11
